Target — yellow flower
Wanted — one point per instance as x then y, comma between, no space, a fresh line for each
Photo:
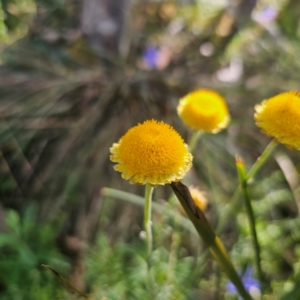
204,110
279,117
152,152
198,197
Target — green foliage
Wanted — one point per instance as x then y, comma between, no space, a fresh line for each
121,272
15,17
24,246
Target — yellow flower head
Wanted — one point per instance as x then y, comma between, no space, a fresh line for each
152,152
204,110
199,199
279,117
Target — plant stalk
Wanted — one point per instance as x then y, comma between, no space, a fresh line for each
147,218
194,140
234,201
244,186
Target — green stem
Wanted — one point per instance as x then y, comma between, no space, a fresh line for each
218,288
234,201
262,159
147,218
210,168
173,256
194,140
244,186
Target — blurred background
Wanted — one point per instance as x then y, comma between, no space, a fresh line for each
75,75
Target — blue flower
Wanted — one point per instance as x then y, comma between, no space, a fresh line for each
150,57
269,13
250,283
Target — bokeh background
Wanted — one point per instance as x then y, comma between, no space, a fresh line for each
75,75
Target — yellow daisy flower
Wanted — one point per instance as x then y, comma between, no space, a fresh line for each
199,199
151,152
279,117
204,110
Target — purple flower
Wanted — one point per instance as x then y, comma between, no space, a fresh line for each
250,283
269,13
265,15
150,57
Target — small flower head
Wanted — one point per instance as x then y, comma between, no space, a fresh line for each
150,57
151,152
204,110
279,117
199,199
